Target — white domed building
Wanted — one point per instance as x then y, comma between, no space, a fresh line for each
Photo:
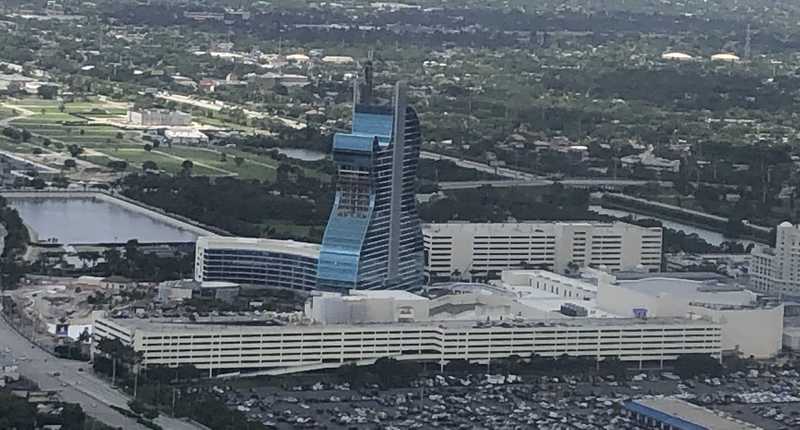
676,56
726,57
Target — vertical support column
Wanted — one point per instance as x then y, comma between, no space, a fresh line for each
398,157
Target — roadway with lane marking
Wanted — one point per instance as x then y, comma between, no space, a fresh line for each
74,383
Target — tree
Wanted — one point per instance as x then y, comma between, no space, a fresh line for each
149,165
72,417
70,163
47,92
186,167
239,161
691,365
60,182
118,165
38,183
74,150
223,157
148,147
120,135
16,413
113,260
46,142
25,135
117,351
283,172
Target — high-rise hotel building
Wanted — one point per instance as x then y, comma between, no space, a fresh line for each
373,239
776,270
483,250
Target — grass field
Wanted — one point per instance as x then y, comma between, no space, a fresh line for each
44,119
7,144
136,156
52,126
52,106
252,168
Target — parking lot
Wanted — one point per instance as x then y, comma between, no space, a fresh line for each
768,399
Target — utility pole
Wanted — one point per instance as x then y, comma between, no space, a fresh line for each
135,382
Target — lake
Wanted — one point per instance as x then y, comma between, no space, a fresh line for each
83,220
709,236
303,154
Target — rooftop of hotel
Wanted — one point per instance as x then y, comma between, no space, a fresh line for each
531,224
287,246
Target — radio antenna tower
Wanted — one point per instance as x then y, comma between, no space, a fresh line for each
747,44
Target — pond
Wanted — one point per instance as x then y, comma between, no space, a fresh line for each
85,220
303,154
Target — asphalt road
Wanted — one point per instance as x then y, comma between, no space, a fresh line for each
75,384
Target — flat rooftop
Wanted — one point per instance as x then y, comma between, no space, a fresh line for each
251,326
387,294
546,301
693,276
693,291
585,283
679,412
310,250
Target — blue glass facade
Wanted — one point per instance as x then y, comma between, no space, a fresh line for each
373,238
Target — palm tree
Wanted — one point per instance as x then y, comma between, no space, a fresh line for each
186,167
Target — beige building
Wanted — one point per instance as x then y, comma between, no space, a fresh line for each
159,118
749,327
750,324
464,250
229,348
777,270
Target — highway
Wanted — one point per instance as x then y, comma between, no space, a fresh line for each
575,183
75,383
518,178
499,171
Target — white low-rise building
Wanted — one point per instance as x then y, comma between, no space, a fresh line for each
483,250
749,326
186,136
650,161
159,118
365,306
221,349
563,286
338,59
